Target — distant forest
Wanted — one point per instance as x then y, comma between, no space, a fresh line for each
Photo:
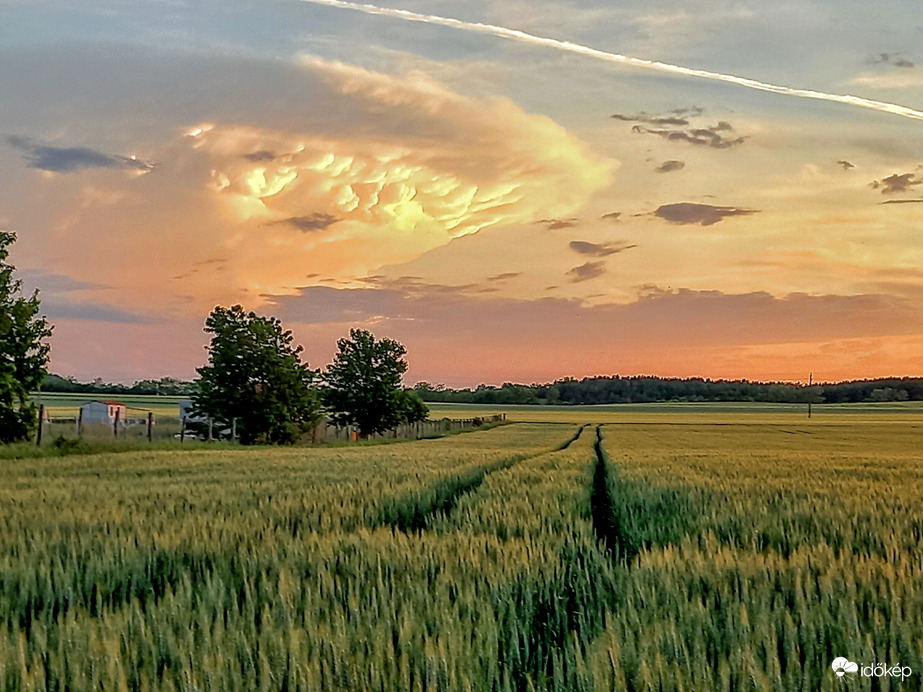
643,389
589,390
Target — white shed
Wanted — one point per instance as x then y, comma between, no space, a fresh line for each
102,412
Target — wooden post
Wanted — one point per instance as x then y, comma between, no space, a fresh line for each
182,430
211,425
80,422
41,424
150,426
115,424
234,429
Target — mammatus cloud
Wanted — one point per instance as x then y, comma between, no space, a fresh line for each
599,249
703,214
897,182
587,271
522,36
72,159
670,166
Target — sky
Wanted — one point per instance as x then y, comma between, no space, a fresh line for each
517,191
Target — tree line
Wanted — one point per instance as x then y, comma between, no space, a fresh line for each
649,389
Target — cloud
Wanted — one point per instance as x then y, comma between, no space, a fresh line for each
504,276
902,201
651,120
846,165
680,129
260,156
612,215
670,166
557,224
72,159
599,249
704,214
896,182
311,222
587,271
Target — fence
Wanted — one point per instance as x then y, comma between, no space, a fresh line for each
156,428
327,432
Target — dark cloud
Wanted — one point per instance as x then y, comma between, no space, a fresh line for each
897,182
612,215
504,276
311,222
71,159
587,271
680,129
704,214
556,224
845,164
599,249
260,156
61,309
670,166
651,120
702,136
891,59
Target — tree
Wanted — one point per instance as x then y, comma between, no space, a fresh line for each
362,386
255,374
23,351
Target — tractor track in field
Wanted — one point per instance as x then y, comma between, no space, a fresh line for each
413,513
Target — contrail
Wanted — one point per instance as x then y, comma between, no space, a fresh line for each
524,37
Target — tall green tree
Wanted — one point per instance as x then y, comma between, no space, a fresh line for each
255,374
362,386
23,351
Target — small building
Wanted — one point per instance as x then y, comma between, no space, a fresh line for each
185,412
102,412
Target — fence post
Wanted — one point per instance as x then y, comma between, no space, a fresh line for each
115,424
150,426
234,429
210,429
41,424
182,430
80,422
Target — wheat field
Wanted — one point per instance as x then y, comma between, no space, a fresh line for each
666,554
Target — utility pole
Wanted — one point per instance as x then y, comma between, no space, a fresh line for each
810,382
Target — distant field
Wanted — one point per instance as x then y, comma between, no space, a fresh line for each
680,412
714,550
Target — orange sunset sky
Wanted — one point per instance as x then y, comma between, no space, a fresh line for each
510,210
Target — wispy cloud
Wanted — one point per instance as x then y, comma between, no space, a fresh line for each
72,159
